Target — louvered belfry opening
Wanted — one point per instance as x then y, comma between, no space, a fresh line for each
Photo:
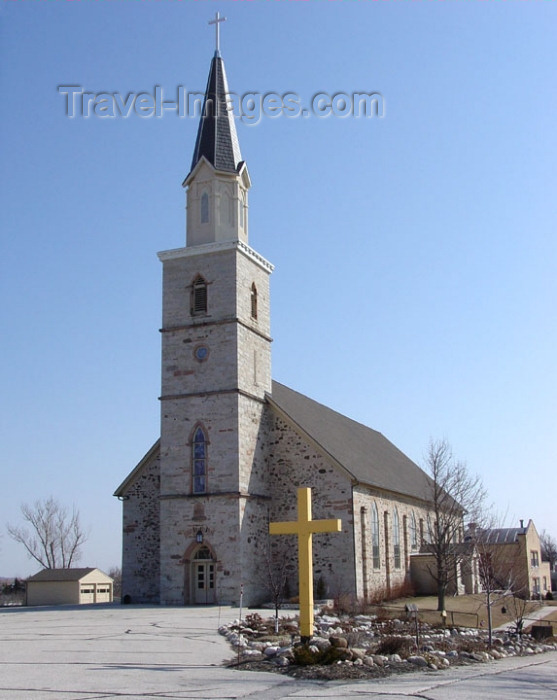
199,296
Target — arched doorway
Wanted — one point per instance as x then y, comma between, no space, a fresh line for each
203,569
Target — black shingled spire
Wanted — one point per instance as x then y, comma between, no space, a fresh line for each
216,136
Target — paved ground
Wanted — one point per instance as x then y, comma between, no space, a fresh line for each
532,617
126,652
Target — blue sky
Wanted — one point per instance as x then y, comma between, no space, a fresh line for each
415,286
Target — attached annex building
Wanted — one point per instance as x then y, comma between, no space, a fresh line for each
235,445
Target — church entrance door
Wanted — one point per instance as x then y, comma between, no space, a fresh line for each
203,577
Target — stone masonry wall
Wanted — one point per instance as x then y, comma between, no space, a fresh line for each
141,528
294,463
373,580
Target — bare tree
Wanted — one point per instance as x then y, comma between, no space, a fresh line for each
454,493
54,537
500,570
115,574
549,548
273,574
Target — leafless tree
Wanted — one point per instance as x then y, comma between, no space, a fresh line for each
454,493
500,572
115,574
273,574
53,536
495,585
549,548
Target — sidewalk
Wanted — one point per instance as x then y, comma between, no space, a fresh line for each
129,653
533,616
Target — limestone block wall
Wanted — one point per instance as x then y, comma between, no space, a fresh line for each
141,535
294,463
253,447
218,414
217,518
254,551
372,579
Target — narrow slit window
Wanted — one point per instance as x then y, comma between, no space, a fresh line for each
199,461
199,296
253,301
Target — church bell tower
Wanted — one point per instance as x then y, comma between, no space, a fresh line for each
216,371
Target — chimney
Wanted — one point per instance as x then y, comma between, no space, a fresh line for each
522,524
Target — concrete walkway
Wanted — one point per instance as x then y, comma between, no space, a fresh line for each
128,652
532,617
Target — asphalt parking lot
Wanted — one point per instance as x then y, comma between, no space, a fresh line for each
125,652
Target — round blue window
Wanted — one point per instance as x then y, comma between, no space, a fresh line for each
201,353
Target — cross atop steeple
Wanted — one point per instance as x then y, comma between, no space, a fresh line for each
218,19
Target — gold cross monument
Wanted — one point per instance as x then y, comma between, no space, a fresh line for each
305,527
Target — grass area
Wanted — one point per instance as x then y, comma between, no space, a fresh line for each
465,610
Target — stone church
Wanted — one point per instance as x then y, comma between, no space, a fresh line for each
234,444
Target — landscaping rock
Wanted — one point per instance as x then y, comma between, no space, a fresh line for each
338,642
271,651
417,661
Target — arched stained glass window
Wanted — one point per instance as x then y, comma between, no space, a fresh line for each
199,461
375,537
396,538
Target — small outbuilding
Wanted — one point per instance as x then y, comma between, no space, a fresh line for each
69,587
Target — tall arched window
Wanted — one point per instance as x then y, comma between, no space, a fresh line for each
199,461
396,538
253,301
413,532
205,208
375,537
199,296
428,534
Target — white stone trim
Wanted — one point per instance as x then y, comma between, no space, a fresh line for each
187,252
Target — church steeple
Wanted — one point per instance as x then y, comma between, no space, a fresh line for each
216,136
218,182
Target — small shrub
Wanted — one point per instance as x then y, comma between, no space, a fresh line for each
401,590
392,645
254,620
471,645
549,595
304,656
344,604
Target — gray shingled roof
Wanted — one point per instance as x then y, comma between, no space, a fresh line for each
501,535
216,136
60,574
366,454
